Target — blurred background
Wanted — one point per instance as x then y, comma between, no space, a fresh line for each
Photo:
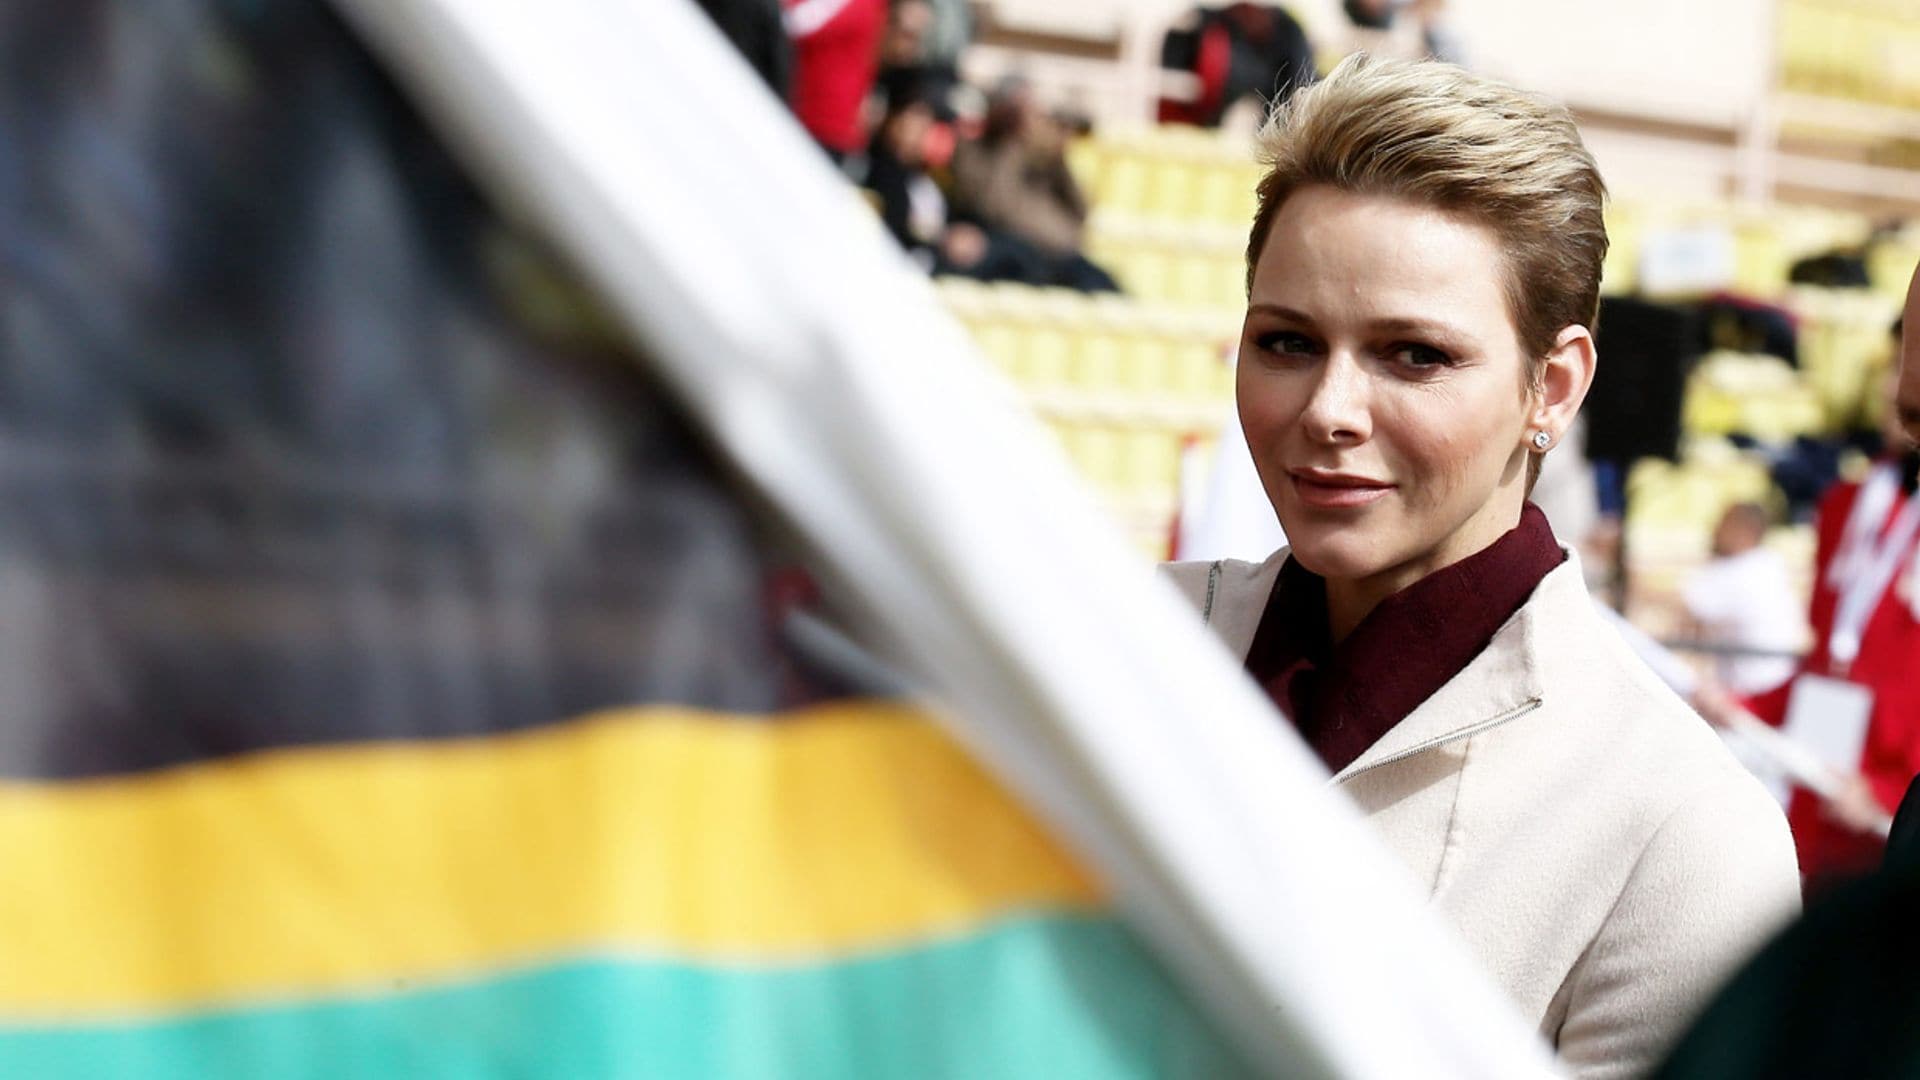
399,681
1078,176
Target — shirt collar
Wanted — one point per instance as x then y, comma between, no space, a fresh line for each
1344,698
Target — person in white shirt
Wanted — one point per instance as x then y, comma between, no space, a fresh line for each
1744,599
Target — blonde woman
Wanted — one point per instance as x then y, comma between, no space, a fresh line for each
1423,276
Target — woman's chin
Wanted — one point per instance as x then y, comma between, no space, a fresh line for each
1335,557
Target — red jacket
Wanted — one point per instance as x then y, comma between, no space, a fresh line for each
1889,664
836,52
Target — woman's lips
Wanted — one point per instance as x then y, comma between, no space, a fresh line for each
1333,491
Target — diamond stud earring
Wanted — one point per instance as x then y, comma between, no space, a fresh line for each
1542,440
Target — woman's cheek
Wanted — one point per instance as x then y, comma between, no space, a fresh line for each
1430,462
1263,414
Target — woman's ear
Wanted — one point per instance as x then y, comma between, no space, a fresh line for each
1564,381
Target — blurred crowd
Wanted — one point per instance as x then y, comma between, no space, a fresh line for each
970,182
973,181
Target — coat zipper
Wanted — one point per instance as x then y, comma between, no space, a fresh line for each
1453,736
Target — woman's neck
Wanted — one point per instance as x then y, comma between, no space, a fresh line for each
1351,600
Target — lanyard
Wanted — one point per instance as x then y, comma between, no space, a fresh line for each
1866,562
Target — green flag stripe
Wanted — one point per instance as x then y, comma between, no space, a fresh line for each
1047,996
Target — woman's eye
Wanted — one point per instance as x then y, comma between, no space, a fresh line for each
1285,343
1415,355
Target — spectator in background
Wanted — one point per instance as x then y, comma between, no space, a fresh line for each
1836,995
909,149
1865,615
1234,53
1378,23
950,32
905,42
911,202
1015,179
907,57
1743,598
836,53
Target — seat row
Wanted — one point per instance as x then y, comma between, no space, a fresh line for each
1858,49
1170,171
1128,388
1104,359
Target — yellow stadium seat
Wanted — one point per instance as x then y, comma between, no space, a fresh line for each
1145,366
1097,360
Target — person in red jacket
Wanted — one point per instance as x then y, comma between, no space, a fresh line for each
836,53
1865,615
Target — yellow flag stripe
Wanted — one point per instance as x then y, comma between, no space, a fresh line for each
707,837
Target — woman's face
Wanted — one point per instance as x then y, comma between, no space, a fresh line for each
1382,387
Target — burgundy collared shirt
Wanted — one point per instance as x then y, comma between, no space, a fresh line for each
1344,697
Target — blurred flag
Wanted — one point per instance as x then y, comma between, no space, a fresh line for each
404,673
391,684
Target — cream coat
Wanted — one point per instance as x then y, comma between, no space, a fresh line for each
1586,833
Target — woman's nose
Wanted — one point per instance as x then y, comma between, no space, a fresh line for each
1337,408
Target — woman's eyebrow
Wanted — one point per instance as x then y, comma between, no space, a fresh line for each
1391,325
1279,311
1434,327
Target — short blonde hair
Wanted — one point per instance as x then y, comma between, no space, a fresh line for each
1434,134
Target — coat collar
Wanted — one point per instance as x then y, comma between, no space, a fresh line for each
1504,682
1236,597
